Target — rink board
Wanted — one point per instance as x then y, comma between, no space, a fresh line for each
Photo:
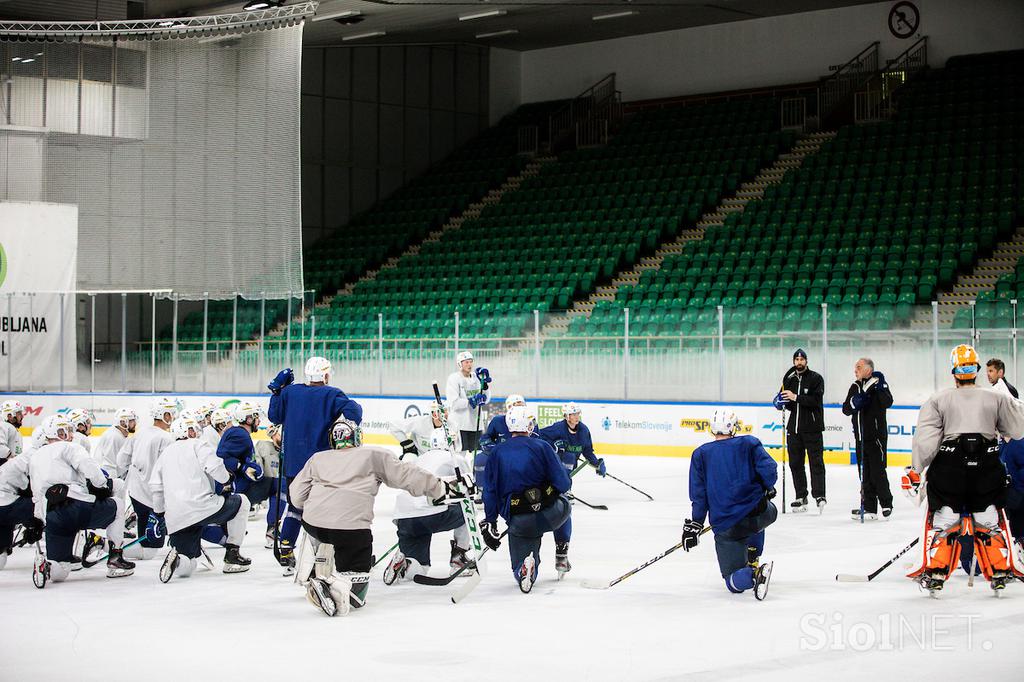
621,428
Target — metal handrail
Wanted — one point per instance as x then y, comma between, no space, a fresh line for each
838,86
850,63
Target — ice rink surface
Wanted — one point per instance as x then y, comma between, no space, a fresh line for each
674,620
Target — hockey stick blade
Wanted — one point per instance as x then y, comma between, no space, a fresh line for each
468,587
431,580
850,578
595,585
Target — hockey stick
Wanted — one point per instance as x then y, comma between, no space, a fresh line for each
596,585
90,564
384,556
630,486
277,510
782,388
850,578
602,507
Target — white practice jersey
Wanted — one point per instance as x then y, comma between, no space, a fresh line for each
11,442
67,463
458,391
211,437
420,430
183,483
138,456
105,454
437,462
14,478
268,457
83,440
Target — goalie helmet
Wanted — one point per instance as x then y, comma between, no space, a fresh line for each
80,417
9,408
724,423
220,417
317,369
246,409
571,408
345,433
514,399
185,426
964,362
518,419
57,427
124,416
462,357
163,407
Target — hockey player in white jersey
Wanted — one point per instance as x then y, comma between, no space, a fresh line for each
415,433
184,502
138,456
219,422
16,506
12,413
70,493
112,440
466,391
418,519
81,420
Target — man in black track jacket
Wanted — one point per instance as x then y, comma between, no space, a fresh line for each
866,402
803,391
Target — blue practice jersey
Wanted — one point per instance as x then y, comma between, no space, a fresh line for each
306,414
568,445
728,478
236,448
1012,454
496,432
516,465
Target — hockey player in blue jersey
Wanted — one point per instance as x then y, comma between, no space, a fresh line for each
525,484
571,440
237,451
306,413
496,432
732,479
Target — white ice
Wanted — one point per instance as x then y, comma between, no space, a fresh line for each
674,620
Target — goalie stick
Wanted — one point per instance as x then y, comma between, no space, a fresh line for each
597,585
850,578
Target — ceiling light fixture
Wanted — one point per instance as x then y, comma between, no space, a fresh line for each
615,15
360,36
337,14
495,34
260,4
483,15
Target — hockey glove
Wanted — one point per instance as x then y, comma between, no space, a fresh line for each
33,532
253,471
779,402
770,493
102,492
879,376
910,482
489,531
156,528
228,489
283,378
478,399
691,534
602,470
860,400
408,448
484,376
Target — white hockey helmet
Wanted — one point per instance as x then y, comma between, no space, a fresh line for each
462,357
345,433
164,406
514,399
518,419
10,408
438,441
80,417
205,409
124,416
185,426
317,369
245,409
57,427
220,417
724,422
571,408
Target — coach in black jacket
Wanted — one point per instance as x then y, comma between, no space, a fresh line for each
866,401
802,393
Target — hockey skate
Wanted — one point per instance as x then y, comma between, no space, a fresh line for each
798,506
762,574
868,516
933,582
169,566
886,513
753,559
40,568
526,575
92,551
1000,579
396,568
459,559
235,562
318,592
821,502
268,539
562,564
287,558
130,522
205,559
117,565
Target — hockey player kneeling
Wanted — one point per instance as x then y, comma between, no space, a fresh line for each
525,483
955,446
184,502
335,491
71,493
732,479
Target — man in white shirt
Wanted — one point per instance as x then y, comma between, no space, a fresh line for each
466,391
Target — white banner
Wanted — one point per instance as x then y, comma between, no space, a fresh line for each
618,428
38,257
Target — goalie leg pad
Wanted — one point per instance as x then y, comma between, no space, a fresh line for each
941,548
305,558
993,545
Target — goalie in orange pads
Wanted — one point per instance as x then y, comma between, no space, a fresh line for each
955,446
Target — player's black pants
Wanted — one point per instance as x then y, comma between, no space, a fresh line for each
414,534
63,524
353,549
808,446
187,541
17,512
966,478
874,486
